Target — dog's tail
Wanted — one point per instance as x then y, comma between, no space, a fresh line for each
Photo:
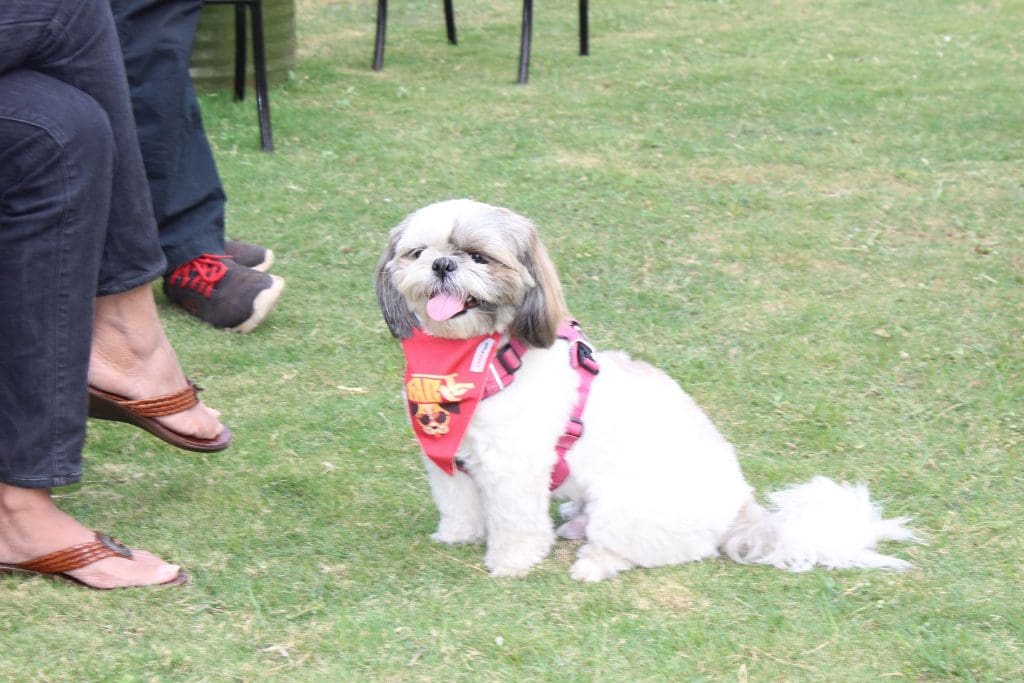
817,523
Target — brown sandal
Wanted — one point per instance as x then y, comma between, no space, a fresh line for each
55,565
106,406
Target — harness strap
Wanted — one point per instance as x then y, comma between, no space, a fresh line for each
507,362
581,358
509,359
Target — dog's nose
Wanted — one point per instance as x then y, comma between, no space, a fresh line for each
444,265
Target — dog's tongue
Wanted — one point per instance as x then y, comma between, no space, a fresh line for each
442,306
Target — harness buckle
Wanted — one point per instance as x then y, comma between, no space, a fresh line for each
500,357
581,353
573,432
584,357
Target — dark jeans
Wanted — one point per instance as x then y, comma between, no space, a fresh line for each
188,199
75,223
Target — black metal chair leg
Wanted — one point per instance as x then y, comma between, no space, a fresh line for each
262,94
259,63
240,50
524,43
584,29
382,26
449,21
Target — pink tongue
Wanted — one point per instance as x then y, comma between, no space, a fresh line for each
441,307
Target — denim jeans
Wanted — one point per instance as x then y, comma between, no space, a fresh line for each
76,222
188,198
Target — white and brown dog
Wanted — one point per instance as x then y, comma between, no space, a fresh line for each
651,481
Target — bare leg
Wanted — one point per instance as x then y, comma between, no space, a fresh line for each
32,526
132,357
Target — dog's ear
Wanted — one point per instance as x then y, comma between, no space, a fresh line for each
397,315
543,309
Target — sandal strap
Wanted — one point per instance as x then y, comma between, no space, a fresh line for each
165,405
77,556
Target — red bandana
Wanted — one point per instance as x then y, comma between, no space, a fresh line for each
444,382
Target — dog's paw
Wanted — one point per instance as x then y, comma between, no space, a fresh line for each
451,535
517,558
512,567
597,564
590,570
458,529
510,572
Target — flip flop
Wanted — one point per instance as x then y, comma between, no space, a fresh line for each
55,565
106,406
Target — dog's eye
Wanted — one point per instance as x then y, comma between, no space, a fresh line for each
478,257
415,253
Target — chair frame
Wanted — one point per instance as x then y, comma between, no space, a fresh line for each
259,63
525,40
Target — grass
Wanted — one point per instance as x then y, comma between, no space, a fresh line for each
808,213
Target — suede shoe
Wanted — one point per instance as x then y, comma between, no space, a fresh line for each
249,255
218,291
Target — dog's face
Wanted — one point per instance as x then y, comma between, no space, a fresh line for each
460,269
432,418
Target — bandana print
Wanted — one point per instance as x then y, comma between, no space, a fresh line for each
444,383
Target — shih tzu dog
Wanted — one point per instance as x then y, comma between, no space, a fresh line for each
512,407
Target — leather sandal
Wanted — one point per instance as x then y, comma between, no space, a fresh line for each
106,406
55,565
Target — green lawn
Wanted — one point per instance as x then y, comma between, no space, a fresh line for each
809,213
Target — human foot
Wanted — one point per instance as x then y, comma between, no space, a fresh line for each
222,292
132,358
145,414
249,255
32,527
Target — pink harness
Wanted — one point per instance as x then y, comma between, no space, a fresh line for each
581,358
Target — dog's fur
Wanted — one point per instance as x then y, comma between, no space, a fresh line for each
652,481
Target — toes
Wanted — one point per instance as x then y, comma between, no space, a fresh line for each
510,572
144,569
595,563
457,538
515,560
454,529
199,421
586,569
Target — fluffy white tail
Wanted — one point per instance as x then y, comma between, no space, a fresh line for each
820,522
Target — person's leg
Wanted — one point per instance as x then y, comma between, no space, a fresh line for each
32,526
188,199
55,179
86,54
57,148
61,158
132,357
77,44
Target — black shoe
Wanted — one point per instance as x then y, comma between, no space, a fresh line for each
249,255
215,289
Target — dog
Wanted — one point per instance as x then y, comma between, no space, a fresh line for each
650,480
